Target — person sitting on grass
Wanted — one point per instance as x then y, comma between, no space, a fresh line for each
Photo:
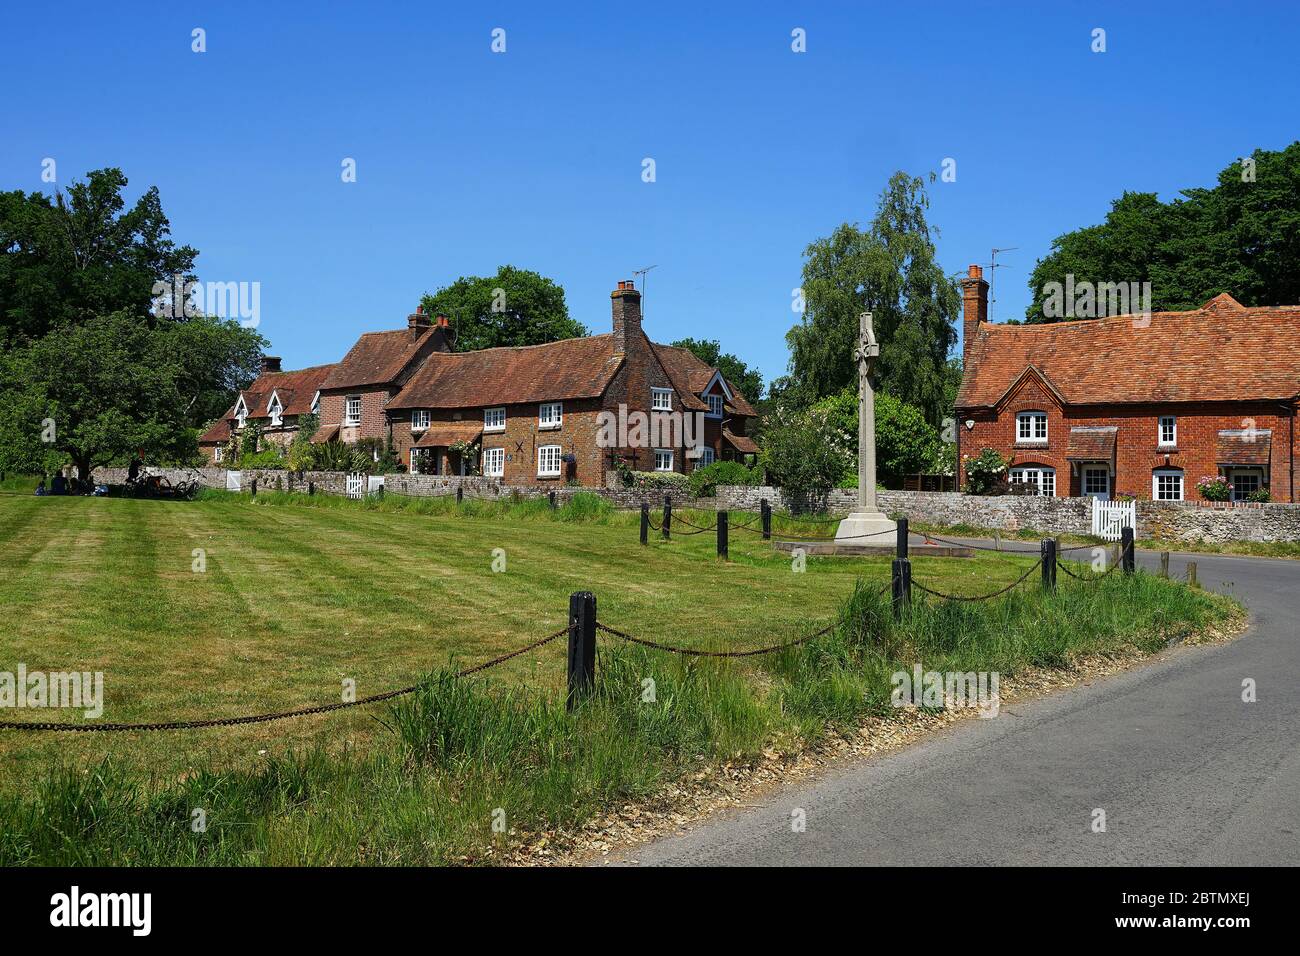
60,485
40,489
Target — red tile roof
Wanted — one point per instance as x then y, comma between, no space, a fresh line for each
1221,351
1092,443
377,358
742,443
567,369
444,434
1244,447
218,433
325,433
691,375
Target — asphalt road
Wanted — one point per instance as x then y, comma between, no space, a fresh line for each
1186,772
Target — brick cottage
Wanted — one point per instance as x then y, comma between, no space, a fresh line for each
531,414
1136,405
273,402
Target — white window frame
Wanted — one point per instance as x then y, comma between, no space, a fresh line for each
661,399
348,420
1168,473
1092,470
666,456
1160,431
490,419
1042,478
550,415
547,453
315,403
421,418
1244,472
1027,423
494,462
217,453
711,399
275,410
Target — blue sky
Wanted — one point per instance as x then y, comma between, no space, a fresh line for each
468,159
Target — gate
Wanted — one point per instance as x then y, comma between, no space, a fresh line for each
1109,518
356,486
233,482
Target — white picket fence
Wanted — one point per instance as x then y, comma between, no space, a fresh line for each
356,486
1109,518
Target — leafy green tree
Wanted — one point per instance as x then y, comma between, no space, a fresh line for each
906,444
95,392
888,269
81,255
748,380
1241,237
514,307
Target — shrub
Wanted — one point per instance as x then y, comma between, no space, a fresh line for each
704,482
1260,495
985,473
670,480
1214,488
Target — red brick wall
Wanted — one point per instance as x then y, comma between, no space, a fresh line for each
373,418
1136,451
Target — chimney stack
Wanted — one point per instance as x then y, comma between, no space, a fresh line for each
625,302
974,309
417,321
443,336
270,363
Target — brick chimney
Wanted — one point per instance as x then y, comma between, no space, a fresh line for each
443,336
270,363
974,309
625,302
417,322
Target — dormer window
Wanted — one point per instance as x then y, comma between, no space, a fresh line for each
275,410
661,399
420,419
241,411
315,404
550,415
1031,428
715,405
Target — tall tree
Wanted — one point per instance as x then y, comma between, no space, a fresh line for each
514,307
888,269
81,255
1241,237
748,380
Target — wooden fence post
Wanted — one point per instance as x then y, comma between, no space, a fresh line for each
1191,574
460,494
1047,551
311,488
645,522
1126,539
582,646
765,508
1164,564
901,585
722,535
552,498
254,487
668,516
901,546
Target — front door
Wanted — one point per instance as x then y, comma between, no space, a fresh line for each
1096,483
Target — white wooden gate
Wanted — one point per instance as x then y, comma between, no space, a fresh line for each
1109,518
356,486
233,480
374,484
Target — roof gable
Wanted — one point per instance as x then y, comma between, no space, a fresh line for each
377,358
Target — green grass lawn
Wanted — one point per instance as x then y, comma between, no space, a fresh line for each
299,594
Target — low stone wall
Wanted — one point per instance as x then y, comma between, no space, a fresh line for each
1173,520
208,477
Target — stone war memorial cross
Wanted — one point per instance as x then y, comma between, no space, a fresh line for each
866,518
